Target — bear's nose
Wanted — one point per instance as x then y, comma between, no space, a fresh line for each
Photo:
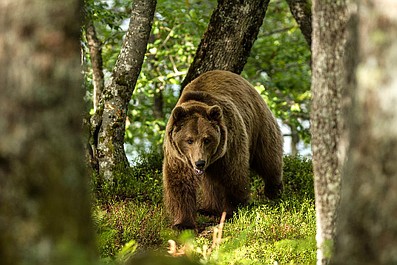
200,164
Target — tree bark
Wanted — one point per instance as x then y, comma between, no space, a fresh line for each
44,199
328,80
231,32
294,141
367,229
108,123
302,12
158,103
95,50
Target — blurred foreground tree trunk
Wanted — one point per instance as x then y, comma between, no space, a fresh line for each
367,227
328,83
227,42
44,199
108,123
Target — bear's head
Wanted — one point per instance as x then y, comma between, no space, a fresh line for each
198,135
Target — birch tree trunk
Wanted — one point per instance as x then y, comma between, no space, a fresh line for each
44,200
367,228
328,80
95,51
227,42
108,123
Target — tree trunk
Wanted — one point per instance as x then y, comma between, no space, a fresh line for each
44,199
226,44
329,39
158,104
294,141
108,123
158,99
367,229
95,50
302,12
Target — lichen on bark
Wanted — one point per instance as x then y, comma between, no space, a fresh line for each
328,84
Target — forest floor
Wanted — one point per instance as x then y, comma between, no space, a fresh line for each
130,221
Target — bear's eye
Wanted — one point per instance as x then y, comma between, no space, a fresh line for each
207,140
189,141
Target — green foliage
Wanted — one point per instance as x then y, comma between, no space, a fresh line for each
127,252
279,66
176,32
105,14
128,225
269,234
154,259
298,180
177,29
142,182
108,18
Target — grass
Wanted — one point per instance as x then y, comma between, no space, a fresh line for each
130,215
277,234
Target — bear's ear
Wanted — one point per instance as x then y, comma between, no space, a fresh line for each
179,113
215,113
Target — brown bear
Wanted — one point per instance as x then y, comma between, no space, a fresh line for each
219,129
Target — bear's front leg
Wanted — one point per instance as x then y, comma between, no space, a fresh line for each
180,198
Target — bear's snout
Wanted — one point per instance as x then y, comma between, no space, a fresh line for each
200,164
199,167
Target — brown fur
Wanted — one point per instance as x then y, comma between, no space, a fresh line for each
222,121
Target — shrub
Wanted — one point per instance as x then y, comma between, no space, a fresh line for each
298,180
298,177
142,182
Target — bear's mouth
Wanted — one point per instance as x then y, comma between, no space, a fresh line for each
198,171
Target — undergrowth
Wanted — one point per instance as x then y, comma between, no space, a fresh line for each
130,221
267,234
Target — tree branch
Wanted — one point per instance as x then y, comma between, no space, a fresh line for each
95,49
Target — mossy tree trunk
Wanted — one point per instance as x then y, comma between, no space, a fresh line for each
108,123
328,84
227,42
367,228
44,199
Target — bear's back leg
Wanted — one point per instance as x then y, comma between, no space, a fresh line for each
267,162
